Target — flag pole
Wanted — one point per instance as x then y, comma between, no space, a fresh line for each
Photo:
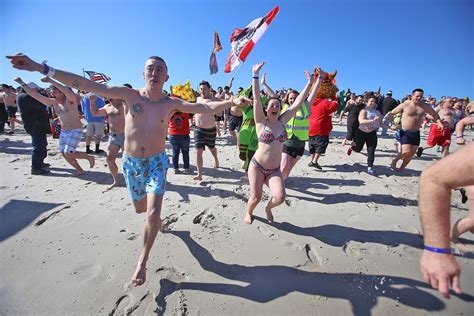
235,74
83,73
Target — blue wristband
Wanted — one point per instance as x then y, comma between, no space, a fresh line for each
445,251
46,69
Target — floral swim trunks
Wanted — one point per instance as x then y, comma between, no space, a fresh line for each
145,175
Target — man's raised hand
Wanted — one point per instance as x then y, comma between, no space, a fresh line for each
256,68
23,62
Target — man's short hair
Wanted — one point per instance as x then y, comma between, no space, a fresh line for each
417,90
205,83
157,58
226,88
127,85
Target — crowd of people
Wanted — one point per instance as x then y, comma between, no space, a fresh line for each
270,130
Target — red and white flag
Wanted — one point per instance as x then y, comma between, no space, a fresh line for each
243,40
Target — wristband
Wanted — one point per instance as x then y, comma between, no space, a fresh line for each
445,251
255,77
48,71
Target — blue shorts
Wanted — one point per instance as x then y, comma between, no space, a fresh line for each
145,175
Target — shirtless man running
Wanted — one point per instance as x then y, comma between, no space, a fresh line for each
146,123
205,134
413,112
9,99
64,103
115,116
437,136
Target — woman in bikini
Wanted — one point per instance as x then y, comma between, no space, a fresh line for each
265,164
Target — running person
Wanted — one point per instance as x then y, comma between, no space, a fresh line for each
265,164
116,118
9,99
353,109
144,162
412,112
437,136
369,122
64,103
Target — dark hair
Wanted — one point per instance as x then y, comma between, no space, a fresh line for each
273,98
205,83
226,88
418,90
157,58
127,85
360,96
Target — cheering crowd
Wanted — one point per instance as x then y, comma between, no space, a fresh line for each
269,128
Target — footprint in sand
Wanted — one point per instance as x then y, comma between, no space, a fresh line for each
120,306
167,221
132,236
267,232
171,273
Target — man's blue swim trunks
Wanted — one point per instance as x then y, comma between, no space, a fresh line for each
145,175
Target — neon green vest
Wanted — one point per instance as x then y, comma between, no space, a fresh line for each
298,125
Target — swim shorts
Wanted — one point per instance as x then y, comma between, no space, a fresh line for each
410,137
68,140
145,175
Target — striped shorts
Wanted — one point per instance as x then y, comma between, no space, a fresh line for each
205,137
68,140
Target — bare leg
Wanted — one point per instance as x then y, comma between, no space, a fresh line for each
199,163
218,128
111,156
214,154
445,151
407,152
256,180
277,187
152,226
287,164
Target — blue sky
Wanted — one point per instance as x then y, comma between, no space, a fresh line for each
399,45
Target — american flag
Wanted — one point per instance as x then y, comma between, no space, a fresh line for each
97,76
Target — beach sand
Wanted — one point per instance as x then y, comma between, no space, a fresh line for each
343,243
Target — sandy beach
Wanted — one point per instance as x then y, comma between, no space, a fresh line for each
344,243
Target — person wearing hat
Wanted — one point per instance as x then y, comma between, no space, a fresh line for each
388,104
36,124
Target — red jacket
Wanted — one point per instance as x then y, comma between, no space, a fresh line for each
320,120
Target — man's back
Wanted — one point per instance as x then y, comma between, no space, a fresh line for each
34,115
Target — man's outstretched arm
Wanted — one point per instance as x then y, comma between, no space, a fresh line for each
23,62
438,266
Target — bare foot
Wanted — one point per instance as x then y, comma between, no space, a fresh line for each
216,164
91,161
269,215
393,165
140,275
198,177
113,185
248,219
77,173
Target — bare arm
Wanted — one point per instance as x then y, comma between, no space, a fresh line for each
35,94
391,115
210,107
23,62
93,106
259,115
429,110
285,117
267,88
71,96
436,183
315,87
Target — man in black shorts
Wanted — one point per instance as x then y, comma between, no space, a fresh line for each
413,111
205,133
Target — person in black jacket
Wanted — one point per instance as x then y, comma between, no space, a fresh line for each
36,123
388,104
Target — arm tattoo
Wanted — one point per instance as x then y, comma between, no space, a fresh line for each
76,84
137,108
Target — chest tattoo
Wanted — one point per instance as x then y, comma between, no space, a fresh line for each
137,108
